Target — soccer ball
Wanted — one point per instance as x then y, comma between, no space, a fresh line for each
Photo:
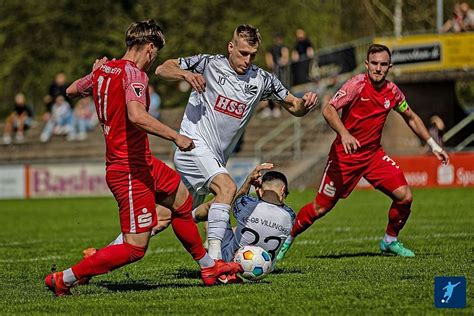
256,262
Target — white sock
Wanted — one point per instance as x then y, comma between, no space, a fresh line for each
206,261
214,248
218,220
118,240
68,277
389,239
193,212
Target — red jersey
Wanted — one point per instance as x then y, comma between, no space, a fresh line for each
113,85
365,109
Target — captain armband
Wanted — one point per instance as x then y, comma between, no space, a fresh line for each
402,107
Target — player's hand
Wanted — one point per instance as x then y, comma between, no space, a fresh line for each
196,81
310,100
350,143
184,143
99,62
255,177
442,156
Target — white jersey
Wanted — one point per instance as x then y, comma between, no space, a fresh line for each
219,115
261,224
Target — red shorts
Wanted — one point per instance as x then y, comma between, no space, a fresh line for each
137,192
343,172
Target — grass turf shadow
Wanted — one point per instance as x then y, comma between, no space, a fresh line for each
139,286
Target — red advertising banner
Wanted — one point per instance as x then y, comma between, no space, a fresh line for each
427,171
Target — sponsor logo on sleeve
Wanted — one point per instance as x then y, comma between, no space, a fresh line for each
230,107
138,88
339,94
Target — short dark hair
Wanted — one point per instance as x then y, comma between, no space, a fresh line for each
377,48
275,175
249,33
144,32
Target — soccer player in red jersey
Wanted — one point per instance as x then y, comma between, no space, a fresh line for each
136,178
365,101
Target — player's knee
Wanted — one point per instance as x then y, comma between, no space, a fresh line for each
135,252
162,225
404,196
224,188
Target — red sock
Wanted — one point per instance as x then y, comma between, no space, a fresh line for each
186,230
397,217
305,218
108,259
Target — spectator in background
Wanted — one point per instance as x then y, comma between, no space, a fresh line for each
302,55
60,121
303,48
277,57
468,17
455,24
58,87
436,129
84,119
19,120
155,102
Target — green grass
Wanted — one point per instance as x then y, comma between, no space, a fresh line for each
335,267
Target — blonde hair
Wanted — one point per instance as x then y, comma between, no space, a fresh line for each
248,33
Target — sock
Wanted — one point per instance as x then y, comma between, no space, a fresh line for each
289,239
118,240
305,218
68,277
397,217
206,261
194,215
107,259
389,239
218,219
186,230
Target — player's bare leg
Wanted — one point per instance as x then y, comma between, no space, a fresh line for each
180,204
224,189
397,216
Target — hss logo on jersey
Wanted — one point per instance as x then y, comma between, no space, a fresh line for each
230,107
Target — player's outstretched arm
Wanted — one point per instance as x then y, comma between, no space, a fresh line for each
83,86
170,70
419,128
300,106
254,178
141,119
349,142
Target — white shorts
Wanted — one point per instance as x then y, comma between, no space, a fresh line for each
197,169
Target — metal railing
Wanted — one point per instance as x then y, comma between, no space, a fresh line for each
294,142
456,129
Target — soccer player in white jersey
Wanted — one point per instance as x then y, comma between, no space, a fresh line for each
264,221
226,91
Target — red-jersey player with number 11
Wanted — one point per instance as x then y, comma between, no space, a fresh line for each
365,101
137,180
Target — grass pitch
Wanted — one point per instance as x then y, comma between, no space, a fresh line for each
334,267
